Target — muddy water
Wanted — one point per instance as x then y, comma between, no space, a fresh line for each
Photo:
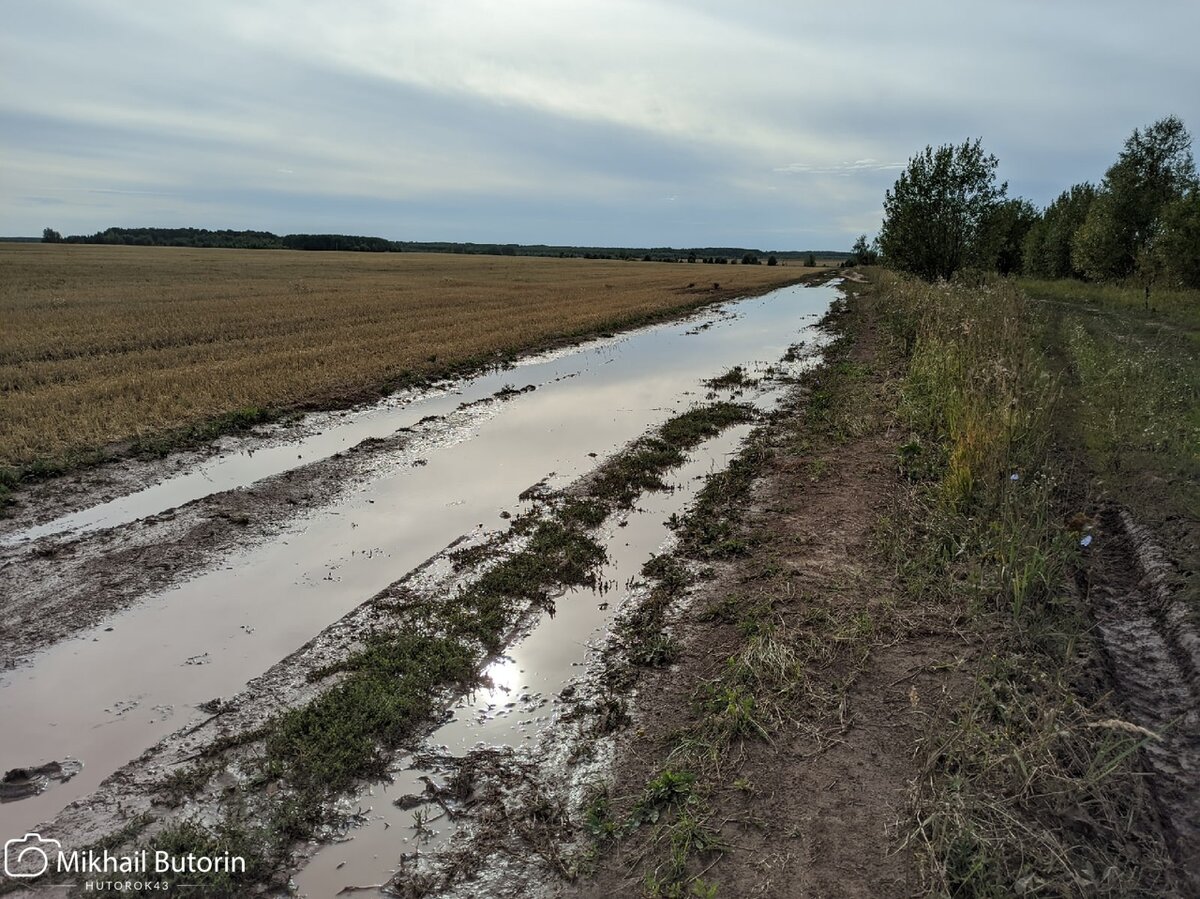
104,697
516,709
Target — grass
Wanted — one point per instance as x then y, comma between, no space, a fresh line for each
641,466
346,734
1163,305
1131,409
110,349
1025,787
733,379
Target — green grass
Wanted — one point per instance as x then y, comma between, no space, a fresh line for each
1024,758
346,734
1178,307
641,467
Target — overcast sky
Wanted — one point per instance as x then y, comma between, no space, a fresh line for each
775,125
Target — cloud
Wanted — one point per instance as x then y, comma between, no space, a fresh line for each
840,168
542,121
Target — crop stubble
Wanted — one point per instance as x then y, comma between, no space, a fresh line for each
109,344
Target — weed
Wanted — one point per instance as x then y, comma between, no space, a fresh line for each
734,378
667,789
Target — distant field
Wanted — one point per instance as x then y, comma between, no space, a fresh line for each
102,345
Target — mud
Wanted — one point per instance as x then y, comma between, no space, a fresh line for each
1154,653
248,575
524,740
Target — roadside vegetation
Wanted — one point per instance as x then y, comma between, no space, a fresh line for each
1033,782
1012,421
111,350
1140,226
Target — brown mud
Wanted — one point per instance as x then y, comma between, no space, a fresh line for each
1154,655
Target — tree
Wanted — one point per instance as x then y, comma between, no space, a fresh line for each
1004,234
1100,249
1047,250
1154,170
1177,246
49,235
934,215
863,253
771,260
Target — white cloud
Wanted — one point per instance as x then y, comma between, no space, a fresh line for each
758,119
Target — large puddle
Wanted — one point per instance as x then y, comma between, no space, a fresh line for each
514,711
105,696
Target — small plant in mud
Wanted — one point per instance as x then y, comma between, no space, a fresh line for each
733,379
599,819
730,712
667,789
655,651
420,823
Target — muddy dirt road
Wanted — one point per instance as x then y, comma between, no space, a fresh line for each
129,619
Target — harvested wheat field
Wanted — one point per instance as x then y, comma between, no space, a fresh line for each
108,344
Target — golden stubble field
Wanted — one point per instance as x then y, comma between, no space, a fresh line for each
100,345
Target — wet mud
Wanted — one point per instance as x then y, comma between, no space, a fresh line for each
1154,654
534,737
207,594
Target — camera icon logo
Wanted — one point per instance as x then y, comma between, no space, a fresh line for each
29,856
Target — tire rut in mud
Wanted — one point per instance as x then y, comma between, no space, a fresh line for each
1154,653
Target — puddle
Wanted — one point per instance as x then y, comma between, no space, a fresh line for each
329,433
521,701
105,696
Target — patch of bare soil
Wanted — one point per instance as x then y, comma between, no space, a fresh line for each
55,587
810,807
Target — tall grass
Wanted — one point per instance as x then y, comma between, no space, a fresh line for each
1026,791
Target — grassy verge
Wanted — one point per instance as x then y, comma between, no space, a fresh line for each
386,692
1130,416
1163,305
1027,781
1031,785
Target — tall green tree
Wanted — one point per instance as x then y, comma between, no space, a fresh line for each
1004,233
1047,251
935,215
1177,246
1155,169
864,252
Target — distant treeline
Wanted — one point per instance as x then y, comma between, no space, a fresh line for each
265,240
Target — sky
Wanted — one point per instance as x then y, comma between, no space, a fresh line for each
773,125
